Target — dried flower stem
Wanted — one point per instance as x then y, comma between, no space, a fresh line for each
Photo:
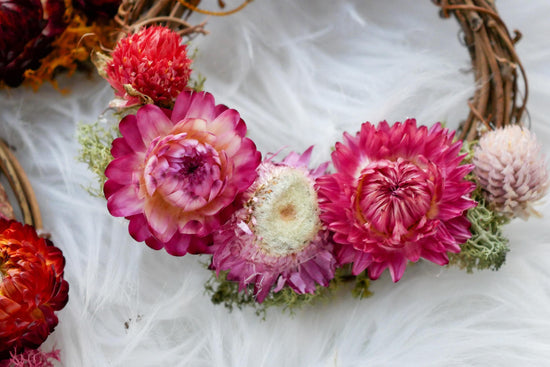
498,100
134,14
21,186
215,13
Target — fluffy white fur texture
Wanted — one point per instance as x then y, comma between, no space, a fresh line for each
300,73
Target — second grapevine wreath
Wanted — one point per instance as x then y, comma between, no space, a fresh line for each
180,167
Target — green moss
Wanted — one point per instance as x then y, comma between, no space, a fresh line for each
487,248
226,292
95,150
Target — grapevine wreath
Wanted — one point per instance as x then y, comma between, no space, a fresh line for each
187,178
182,170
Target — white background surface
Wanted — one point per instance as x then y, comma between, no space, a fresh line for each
300,73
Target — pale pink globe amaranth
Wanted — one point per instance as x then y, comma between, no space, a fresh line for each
277,239
398,195
176,173
511,169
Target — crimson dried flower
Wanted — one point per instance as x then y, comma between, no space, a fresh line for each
176,172
27,30
399,195
32,287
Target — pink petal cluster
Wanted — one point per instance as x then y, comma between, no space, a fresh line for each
151,63
176,172
277,238
32,358
399,194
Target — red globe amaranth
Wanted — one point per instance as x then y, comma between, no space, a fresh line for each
97,9
32,287
27,30
399,194
151,63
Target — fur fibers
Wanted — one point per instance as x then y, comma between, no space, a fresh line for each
300,73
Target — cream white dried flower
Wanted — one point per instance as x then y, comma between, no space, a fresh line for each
511,170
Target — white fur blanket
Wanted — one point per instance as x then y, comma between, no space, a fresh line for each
300,73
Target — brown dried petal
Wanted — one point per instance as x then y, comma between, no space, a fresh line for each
6,210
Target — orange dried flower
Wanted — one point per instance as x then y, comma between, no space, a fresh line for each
32,287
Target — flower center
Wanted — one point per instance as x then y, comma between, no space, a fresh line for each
286,212
393,197
184,171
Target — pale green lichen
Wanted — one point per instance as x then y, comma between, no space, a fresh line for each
95,150
226,292
487,248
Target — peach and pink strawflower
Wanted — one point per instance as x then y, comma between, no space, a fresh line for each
398,195
176,173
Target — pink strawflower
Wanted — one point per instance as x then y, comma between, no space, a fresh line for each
512,171
399,195
277,238
176,172
151,64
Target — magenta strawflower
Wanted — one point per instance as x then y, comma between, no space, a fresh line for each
150,65
277,238
399,194
175,173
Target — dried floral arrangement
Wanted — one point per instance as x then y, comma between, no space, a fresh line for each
181,169
32,288
39,39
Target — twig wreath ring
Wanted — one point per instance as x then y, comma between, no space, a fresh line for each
280,232
179,166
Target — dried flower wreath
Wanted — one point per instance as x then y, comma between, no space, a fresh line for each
180,168
32,287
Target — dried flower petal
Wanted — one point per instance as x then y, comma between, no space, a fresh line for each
399,195
6,210
27,30
32,358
